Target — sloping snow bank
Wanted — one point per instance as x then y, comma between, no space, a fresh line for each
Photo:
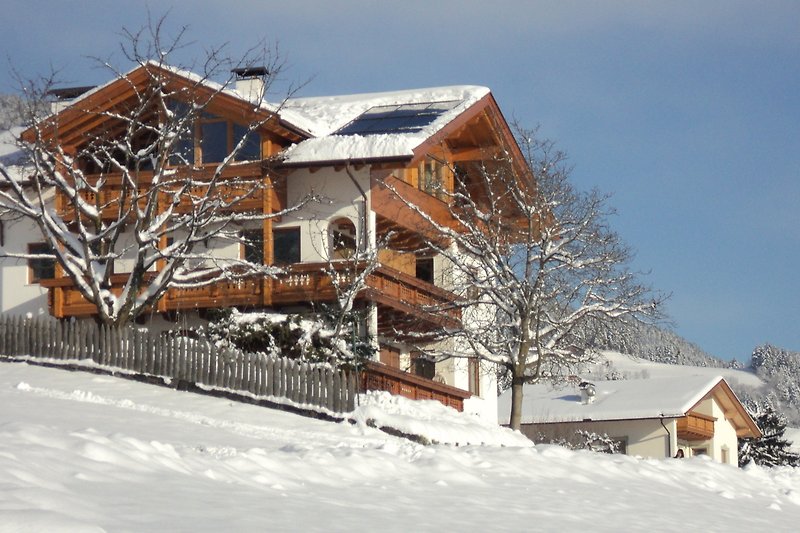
83,452
432,421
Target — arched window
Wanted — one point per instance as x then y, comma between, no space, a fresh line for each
343,238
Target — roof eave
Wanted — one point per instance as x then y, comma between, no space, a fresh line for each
400,160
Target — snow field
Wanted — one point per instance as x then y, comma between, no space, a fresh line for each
81,452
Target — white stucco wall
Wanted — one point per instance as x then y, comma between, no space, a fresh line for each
17,295
645,438
340,198
724,434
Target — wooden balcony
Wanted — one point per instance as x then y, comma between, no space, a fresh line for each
301,283
695,426
377,376
391,197
253,194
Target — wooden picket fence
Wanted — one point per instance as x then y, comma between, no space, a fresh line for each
137,351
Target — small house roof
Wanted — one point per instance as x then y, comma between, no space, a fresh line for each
671,397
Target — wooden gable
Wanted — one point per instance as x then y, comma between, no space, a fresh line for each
93,113
734,411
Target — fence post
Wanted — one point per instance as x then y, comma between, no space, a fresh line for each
16,344
262,375
352,377
337,390
301,381
330,391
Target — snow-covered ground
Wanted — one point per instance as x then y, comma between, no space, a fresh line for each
635,367
84,452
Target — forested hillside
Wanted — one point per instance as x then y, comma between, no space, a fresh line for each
780,370
654,344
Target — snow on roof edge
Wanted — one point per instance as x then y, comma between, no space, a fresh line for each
189,75
335,112
654,398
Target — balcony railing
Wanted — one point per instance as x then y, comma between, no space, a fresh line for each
304,282
251,195
377,376
695,426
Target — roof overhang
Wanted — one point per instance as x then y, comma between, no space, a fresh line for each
733,409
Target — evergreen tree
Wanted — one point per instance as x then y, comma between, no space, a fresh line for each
771,449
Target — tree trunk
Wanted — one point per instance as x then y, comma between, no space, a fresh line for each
515,420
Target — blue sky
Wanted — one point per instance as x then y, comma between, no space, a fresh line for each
687,112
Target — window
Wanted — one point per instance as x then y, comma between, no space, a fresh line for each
425,269
183,153
42,267
286,244
253,246
423,366
390,356
343,237
214,141
251,149
725,458
474,371
211,139
431,177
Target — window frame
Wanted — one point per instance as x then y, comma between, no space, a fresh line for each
251,244
40,262
474,376
194,138
425,269
422,366
286,230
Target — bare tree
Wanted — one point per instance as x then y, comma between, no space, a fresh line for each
166,207
532,260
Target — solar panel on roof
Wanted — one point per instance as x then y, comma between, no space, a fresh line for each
403,118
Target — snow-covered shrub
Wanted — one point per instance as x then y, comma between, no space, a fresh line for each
584,440
302,337
596,442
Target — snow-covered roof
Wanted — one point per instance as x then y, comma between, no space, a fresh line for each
320,118
324,116
669,397
187,74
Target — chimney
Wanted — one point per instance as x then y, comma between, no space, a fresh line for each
587,392
251,82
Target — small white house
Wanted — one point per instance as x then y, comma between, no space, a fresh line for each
649,417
